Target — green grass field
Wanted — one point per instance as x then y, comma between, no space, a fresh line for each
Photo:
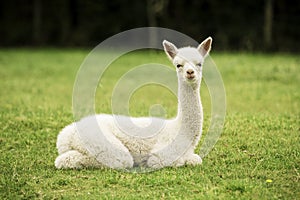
256,157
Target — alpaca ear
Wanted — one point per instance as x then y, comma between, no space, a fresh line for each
205,46
170,49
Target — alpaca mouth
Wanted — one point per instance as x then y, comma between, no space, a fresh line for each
190,77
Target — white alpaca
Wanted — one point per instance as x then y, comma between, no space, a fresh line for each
172,145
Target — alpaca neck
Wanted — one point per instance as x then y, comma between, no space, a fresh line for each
189,108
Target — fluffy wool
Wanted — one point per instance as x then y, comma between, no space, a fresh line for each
173,143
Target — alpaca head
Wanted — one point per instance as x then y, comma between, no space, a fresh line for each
188,61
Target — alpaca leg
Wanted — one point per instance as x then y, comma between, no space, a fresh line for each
193,159
112,154
75,160
156,162
189,158
75,153
65,138
160,160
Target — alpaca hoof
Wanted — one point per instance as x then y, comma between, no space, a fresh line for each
194,159
62,163
69,160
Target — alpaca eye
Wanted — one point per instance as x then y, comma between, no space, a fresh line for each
178,65
199,64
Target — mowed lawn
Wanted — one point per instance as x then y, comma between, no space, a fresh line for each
256,157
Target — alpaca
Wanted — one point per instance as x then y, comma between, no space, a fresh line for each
172,145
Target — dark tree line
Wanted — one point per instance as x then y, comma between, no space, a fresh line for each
234,24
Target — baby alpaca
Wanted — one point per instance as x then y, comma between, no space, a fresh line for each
172,145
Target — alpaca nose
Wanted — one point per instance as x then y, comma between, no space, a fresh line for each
190,71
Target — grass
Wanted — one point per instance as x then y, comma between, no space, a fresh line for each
256,157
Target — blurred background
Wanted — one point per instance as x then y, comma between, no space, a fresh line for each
266,25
